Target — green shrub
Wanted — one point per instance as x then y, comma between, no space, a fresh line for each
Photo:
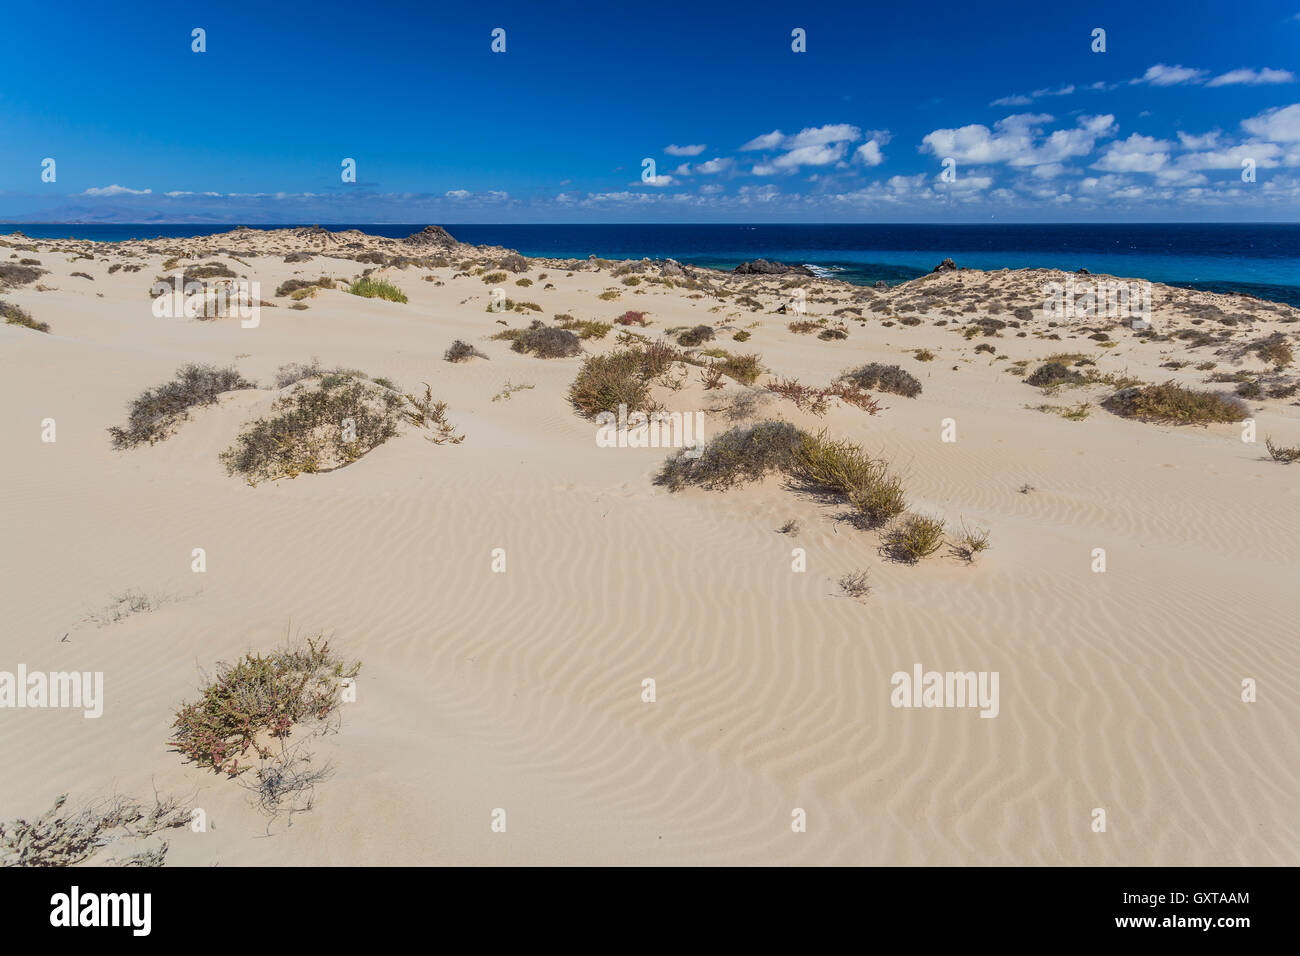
842,467
1053,374
919,536
377,289
309,433
744,453
259,696
544,341
884,378
606,381
156,411
1175,404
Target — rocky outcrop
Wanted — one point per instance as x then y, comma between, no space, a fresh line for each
946,266
431,237
761,267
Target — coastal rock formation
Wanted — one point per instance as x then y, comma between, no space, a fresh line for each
946,266
763,267
431,237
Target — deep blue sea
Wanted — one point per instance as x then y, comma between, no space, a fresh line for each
1263,259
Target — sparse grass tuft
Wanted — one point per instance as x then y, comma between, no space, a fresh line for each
1281,452
377,289
855,585
14,315
973,542
606,381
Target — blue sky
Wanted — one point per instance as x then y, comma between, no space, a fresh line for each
739,126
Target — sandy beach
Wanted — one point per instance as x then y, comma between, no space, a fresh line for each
509,592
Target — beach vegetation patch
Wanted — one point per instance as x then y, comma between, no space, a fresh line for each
744,453
461,351
15,315
371,288
1172,403
246,705
1281,452
154,414
884,378
916,537
542,340
695,336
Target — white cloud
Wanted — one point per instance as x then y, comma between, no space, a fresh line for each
458,194
869,153
1015,140
715,165
1280,124
693,150
766,141
1264,154
655,181
1206,141
1015,100
1137,154
115,190
814,146
1246,77
1162,75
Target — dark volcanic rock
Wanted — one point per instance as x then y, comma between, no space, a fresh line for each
881,284
431,237
764,268
946,266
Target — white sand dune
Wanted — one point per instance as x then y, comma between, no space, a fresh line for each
522,690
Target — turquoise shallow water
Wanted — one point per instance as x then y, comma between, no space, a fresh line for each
1262,259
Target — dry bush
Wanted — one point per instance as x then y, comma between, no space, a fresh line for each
154,414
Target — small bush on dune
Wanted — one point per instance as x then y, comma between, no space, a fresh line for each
1052,374
1175,404
14,275
606,381
842,467
544,341
65,837
462,352
298,287
632,318
308,433
259,697
696,336
745,453
158,410
584,328
1281,452
743,368
377,289
884,378
13,315
919,536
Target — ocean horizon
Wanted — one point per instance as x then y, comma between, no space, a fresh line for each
1261,259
